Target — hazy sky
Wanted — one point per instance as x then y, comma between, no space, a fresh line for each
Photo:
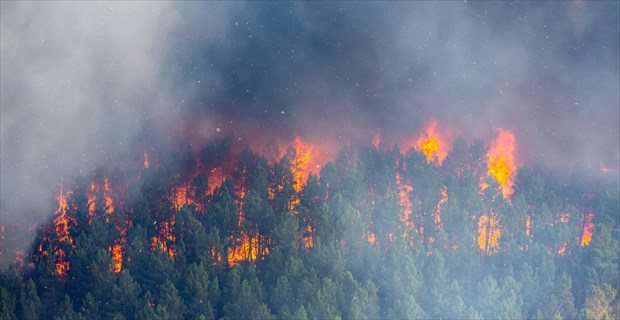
85,83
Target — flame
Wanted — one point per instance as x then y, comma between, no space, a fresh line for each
444,199
404,190
434,146
146,160
483,185
92,198
61,222
562,250
245,249
488,234
588,229
165,238
117,257
216,178
109,203
528,225
217,256
309,237
371,239
376,141
299,164
242,194
501,162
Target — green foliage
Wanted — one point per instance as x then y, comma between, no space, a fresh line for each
416,268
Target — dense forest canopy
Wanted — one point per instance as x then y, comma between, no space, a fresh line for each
428,232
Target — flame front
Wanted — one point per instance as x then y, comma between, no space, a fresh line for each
245,248
117,257
501,162
300,163
587,229
61,226
488,234
444,199
433,145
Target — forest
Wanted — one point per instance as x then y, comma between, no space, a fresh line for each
213,233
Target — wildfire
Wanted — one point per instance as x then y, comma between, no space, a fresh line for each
146,160
109,203
216,178
404,190
588,229
165,238
444,199
501,162
434,146
299,164
309,238
488,234
371,239
91,199
245,249
182,197
117,257
61,226
562,250
528,225
217,256
61,222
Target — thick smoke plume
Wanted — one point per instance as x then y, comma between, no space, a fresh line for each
87,84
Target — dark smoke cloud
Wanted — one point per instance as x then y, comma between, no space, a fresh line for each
348,71
84,83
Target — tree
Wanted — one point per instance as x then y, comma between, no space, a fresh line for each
600,303
29,302
407,308
7,304
170,301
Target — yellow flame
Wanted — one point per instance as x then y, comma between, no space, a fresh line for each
501,163
488,234
588,229
117,257
432,144
371,239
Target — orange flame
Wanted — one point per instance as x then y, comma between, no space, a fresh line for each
371,239
501,162
245,249
109,203
216,178
562,250
309,237
61,226
165,238
404,190
434,146
117,257
528,225
588,229
146,160
299,164
217,256
92,198
488,234
444,199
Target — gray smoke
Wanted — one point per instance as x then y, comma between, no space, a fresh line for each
85,83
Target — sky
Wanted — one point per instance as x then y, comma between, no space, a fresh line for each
84,85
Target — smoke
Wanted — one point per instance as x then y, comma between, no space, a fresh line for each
86,83
79,83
